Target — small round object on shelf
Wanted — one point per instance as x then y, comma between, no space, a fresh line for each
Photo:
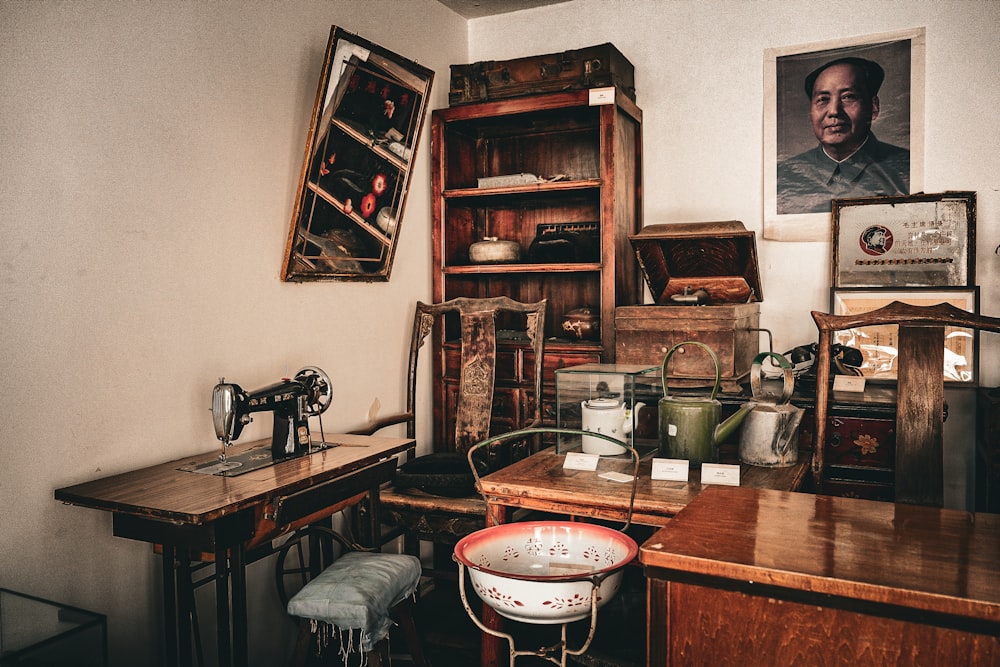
492,250
583,323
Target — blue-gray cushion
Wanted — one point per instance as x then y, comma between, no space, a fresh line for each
357,592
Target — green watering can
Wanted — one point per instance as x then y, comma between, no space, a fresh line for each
691,426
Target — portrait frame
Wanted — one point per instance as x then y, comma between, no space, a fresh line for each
877,343
925,240
787,131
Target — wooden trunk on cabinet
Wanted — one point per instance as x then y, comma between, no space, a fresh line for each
646,333
589,159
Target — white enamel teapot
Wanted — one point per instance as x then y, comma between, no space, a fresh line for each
610,417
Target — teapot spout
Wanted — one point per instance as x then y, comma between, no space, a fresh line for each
733,422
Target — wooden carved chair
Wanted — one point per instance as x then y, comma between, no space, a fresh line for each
920,412
434,498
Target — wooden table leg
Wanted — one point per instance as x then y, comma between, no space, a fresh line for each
241,647
169,606
493,650
222,606
185,611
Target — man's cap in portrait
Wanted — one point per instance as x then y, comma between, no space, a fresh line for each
872,72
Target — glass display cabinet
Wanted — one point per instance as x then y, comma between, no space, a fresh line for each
617,400
40,632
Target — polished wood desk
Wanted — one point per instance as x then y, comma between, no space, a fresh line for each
539,482
755,577
191,513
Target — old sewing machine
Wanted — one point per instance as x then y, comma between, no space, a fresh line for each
292,400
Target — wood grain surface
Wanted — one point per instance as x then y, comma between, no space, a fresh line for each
540,482
165,492
938,560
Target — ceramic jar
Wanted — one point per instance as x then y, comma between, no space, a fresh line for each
583,323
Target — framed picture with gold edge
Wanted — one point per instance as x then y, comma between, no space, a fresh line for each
878,343
925,240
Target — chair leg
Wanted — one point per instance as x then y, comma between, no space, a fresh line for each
404,612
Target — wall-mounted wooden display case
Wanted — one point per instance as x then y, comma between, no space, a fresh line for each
559,175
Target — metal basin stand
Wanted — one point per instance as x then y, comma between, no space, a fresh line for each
558,652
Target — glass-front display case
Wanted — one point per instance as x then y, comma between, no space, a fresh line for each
34,631
616,400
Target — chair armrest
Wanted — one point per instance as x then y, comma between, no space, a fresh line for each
379,424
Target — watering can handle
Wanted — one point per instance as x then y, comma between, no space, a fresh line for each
788,386
715,360
512,435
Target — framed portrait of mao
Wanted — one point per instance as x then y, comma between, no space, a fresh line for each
843,119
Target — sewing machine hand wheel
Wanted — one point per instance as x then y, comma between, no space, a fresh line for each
321,394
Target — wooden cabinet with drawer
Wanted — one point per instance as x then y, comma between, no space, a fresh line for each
559,175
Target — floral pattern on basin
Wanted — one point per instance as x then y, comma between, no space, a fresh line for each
545,571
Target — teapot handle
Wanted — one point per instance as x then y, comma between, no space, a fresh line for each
715,360
788,386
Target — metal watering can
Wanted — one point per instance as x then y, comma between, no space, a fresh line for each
691,426
768,435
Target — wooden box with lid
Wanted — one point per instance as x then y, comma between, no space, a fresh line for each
705,283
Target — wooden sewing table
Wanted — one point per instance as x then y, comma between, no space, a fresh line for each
189,513
539,482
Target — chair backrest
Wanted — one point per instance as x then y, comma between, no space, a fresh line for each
477,332
919,471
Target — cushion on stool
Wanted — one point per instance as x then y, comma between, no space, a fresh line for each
357,592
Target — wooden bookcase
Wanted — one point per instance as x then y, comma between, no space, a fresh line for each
589,157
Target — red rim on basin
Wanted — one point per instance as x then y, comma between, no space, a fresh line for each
599,545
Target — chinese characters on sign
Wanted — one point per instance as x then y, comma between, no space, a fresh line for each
911,241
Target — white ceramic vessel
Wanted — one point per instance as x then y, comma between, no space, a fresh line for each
609,417
543,572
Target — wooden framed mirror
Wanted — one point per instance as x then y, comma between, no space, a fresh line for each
363,136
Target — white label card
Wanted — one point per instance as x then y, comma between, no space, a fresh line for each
600,96
720,473
674,470
616,476
581,461
853,383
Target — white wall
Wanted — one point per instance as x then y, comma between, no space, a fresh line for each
150,153
149,157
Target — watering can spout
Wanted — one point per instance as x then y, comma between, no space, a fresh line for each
733,422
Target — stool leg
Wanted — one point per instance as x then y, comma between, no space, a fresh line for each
301,645
404,611
379,655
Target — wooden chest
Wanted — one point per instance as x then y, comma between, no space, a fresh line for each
581,69
705,283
